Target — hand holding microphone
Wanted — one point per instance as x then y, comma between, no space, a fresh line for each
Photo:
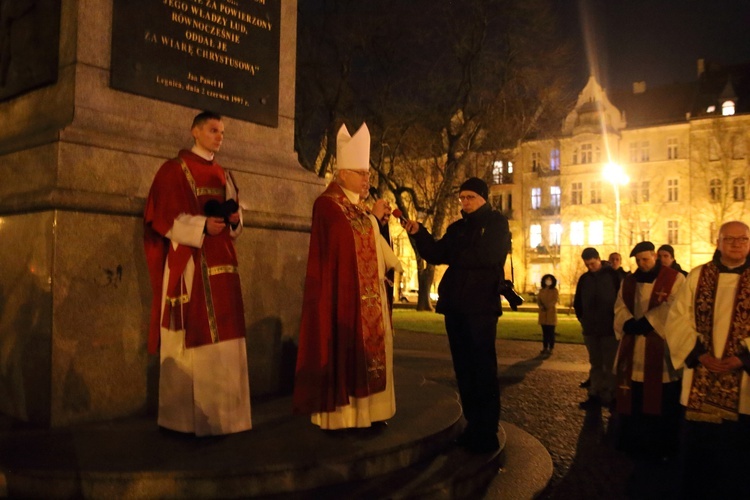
411,226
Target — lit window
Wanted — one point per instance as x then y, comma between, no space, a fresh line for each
727,108
510,167
672,148
576,193
497,172
554,196
673,232
554,159
596,232
714,189
586,153
536,198
645,231
555,234
633,148
596,192
710,109
738,188
536,161
497,202
645,194
673,190
576,233
535,235
645,151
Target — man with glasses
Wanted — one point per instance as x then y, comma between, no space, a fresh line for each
708,335
474,248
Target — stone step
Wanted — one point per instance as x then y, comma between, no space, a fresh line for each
283,457
283,454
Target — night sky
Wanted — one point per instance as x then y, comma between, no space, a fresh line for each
657,41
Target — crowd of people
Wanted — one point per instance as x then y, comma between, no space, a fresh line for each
668,349
669,358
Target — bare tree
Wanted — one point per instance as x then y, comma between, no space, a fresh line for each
438,83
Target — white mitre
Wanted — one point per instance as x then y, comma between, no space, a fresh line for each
353,152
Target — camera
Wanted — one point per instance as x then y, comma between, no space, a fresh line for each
507,291
215,208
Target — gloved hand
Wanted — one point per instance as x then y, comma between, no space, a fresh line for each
630,326
642,327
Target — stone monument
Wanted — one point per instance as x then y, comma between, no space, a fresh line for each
94,96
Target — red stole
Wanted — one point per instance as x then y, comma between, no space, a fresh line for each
715,396
342,335
654,359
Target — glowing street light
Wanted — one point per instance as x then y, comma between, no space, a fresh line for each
617,177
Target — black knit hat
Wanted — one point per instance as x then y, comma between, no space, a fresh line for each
643,246
476,185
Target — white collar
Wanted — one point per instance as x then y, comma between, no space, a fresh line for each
353,197
203,153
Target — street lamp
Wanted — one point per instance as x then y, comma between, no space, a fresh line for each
617,177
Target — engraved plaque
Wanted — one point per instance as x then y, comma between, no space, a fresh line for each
29,45
220,55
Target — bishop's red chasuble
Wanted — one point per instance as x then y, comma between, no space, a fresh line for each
342,350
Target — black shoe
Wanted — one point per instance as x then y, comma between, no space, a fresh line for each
591,403
585,384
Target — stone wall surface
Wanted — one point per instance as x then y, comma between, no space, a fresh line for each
77,159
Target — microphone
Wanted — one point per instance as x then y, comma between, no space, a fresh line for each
374,193
399,215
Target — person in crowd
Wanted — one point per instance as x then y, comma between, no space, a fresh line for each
344,374
474,248
615,260
191,220
594,302
648,386
666,257
547,300
707,334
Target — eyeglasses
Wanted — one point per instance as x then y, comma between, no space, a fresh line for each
742,240
468,197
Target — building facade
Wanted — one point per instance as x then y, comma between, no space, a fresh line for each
667,164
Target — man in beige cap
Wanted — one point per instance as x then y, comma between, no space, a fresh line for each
344,374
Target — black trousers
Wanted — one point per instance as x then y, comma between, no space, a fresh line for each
472,343
714,459
647,435
548,336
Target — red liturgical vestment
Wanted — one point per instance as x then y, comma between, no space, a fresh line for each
197,321
344,333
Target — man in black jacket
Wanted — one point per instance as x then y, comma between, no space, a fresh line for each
474,248
594,304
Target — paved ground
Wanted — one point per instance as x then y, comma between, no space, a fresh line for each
541,397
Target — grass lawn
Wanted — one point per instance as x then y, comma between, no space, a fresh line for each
512,325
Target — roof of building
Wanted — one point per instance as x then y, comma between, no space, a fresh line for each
678,102
656,106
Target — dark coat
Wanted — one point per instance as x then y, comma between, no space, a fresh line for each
475,249
594,301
